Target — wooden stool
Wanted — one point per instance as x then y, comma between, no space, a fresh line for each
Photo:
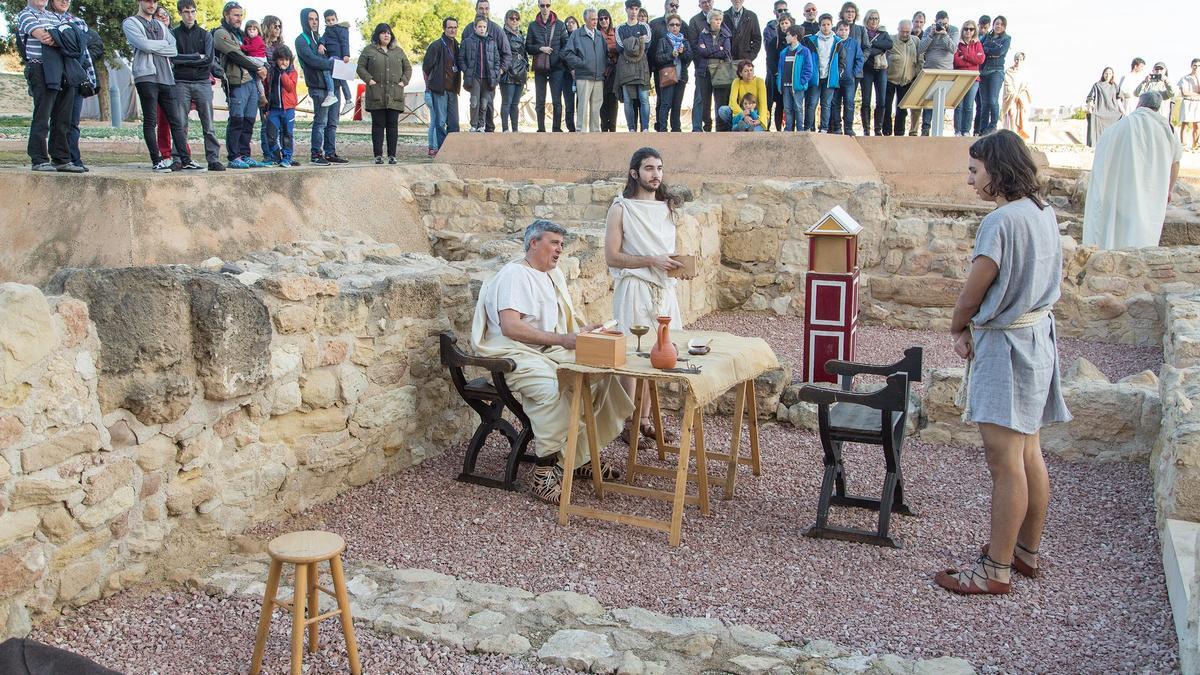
306,549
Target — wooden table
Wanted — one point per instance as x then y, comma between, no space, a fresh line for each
731,369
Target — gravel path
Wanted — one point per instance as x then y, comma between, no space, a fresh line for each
166,633
1100,607
878,344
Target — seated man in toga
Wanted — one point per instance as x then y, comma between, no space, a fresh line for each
525,314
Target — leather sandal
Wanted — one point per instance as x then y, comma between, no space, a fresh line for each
1020,566
647,429
949,579
607,471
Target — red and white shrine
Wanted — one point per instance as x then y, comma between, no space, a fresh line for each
830,293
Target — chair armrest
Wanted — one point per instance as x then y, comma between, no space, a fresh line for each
454,357
892,396
909,365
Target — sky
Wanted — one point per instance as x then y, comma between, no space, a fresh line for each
1066,45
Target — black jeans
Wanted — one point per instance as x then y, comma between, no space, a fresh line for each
704,84
51,119
150,95
608,106
555,79
895,94
382,121
720,97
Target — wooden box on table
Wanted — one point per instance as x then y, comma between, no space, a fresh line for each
687,269
603,349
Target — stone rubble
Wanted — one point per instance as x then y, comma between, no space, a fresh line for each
567,629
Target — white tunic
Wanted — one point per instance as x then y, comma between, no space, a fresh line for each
642,293
1127,194
519,287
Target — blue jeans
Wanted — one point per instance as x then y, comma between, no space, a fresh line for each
843,105
437,118
697,105
243,109
510,105
279,147
324,125
451,113
793,108
667,97
874,85
964,114
554,79
820,92
989,99
725,114
637,101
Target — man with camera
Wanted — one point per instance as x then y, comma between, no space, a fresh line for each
936,52
1157,81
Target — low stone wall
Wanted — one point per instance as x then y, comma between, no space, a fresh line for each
148,415
1112,421
1176,462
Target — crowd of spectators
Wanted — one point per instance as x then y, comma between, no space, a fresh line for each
818,67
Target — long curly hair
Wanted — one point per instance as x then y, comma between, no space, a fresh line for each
631,182
1010,166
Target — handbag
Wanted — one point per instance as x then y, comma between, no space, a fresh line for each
722,73
541,62
668,76
879,62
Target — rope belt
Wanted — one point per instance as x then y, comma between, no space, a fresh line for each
1026,320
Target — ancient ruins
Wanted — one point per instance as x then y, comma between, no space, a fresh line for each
171,394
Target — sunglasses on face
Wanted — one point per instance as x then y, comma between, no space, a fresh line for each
674,25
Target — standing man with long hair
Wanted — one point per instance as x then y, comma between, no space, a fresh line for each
1003,325
639,241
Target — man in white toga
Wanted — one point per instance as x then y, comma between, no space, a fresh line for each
525,314
639,241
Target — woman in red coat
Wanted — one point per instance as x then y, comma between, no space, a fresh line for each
968,56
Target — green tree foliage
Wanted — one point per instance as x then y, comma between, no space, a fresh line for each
103,16
415,23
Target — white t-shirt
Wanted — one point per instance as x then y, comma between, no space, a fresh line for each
526,290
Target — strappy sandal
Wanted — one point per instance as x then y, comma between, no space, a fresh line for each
949,579
547,484
646,427
1020,566
607,471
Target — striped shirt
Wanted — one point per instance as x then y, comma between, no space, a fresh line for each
29,20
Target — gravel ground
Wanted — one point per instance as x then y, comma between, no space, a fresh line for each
163,633
1101,605
878,344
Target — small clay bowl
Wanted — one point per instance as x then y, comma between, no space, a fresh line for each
698,351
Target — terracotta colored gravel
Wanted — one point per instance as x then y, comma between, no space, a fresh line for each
179,633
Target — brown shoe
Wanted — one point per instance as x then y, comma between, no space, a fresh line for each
1020,566
546,484
952,581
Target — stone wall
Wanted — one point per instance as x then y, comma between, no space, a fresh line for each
1176,463
149,415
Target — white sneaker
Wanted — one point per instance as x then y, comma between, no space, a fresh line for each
329,100
163,166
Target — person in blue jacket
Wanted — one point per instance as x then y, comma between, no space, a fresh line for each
849,70
822,45
336,40
314,65
795,72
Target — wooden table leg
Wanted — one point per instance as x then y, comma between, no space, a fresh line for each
264,622
589,425
735,443
301,586
564,501
701,462
752,404
656,412
314,607
635,432
681,470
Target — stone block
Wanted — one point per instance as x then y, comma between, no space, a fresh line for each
17,525
21,566
759,245
156,453
38,492
916,291
101,482
59,448
294,426
387,409
319,388
286,399
76,578
575,649
11,431
27,332
293,319
75,322
231,336
120,502
298,287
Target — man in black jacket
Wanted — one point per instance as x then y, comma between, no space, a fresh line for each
658,31
692,32
442,83
192,68
747,36
545,40
774,37
483,8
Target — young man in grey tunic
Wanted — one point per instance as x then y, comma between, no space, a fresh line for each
1004,327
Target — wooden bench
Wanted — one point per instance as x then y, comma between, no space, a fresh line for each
488,396
875,418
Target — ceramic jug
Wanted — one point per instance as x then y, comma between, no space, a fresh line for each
663,355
